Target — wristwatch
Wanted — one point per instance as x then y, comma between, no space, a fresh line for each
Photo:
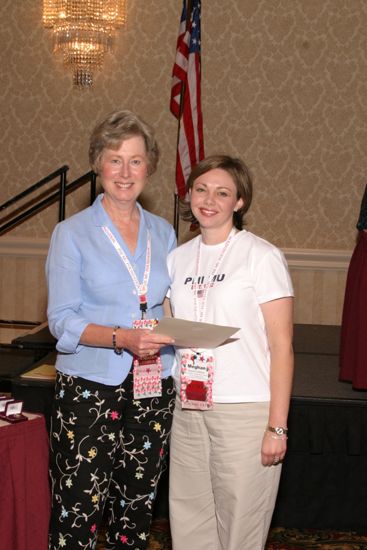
278,430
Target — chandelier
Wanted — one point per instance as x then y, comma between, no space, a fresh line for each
83,31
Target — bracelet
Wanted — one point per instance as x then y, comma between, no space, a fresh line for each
117,350
274,436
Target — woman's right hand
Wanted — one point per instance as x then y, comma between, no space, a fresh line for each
142,342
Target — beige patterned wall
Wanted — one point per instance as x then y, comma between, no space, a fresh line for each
284,86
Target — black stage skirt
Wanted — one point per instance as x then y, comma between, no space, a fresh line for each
353,341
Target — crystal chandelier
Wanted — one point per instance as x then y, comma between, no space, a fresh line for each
83,31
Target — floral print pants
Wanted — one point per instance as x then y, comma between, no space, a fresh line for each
107,454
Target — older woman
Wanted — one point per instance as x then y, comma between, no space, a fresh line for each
114,397
229,432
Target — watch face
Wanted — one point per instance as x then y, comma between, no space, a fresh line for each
279,431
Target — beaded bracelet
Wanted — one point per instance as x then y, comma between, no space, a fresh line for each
274,436
117,350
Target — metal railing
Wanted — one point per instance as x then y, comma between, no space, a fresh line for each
34,205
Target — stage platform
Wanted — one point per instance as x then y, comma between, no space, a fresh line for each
316,349
324,478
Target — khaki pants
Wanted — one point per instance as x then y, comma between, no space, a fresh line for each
221,496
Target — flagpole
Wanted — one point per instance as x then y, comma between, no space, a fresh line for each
176,210
176,214
188,13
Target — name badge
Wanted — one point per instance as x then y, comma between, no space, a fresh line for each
196,388
147,371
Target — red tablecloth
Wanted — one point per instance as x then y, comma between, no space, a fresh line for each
24,485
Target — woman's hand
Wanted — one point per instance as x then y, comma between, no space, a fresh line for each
142,342
273,449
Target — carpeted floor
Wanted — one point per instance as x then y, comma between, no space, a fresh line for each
295,539
279,539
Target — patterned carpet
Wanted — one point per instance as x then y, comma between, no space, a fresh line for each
279,539
295,539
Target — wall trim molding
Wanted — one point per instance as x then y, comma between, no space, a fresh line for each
317,259
303,259
35,247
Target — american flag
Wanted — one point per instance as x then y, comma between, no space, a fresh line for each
186,94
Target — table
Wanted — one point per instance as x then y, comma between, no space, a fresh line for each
37,394
25,491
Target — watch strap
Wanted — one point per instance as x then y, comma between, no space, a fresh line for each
279,430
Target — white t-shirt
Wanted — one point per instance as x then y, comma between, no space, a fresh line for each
251,272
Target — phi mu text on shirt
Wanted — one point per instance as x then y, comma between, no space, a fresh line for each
202,282
251,273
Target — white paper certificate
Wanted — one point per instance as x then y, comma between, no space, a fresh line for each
191,334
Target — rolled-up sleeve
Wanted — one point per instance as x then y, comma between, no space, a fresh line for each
63,273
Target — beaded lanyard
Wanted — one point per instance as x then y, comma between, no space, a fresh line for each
202,294
147,372
141,288
192,387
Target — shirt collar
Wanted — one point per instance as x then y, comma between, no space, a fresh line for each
100,218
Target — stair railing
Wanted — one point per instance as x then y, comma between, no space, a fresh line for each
39,203
36,204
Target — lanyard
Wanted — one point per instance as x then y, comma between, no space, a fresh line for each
202,296
141,288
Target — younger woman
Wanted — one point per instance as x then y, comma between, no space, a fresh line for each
229,433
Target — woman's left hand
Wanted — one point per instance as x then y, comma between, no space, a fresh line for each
273,449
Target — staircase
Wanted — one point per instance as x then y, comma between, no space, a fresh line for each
29,342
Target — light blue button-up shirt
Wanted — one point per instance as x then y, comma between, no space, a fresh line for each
89,283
